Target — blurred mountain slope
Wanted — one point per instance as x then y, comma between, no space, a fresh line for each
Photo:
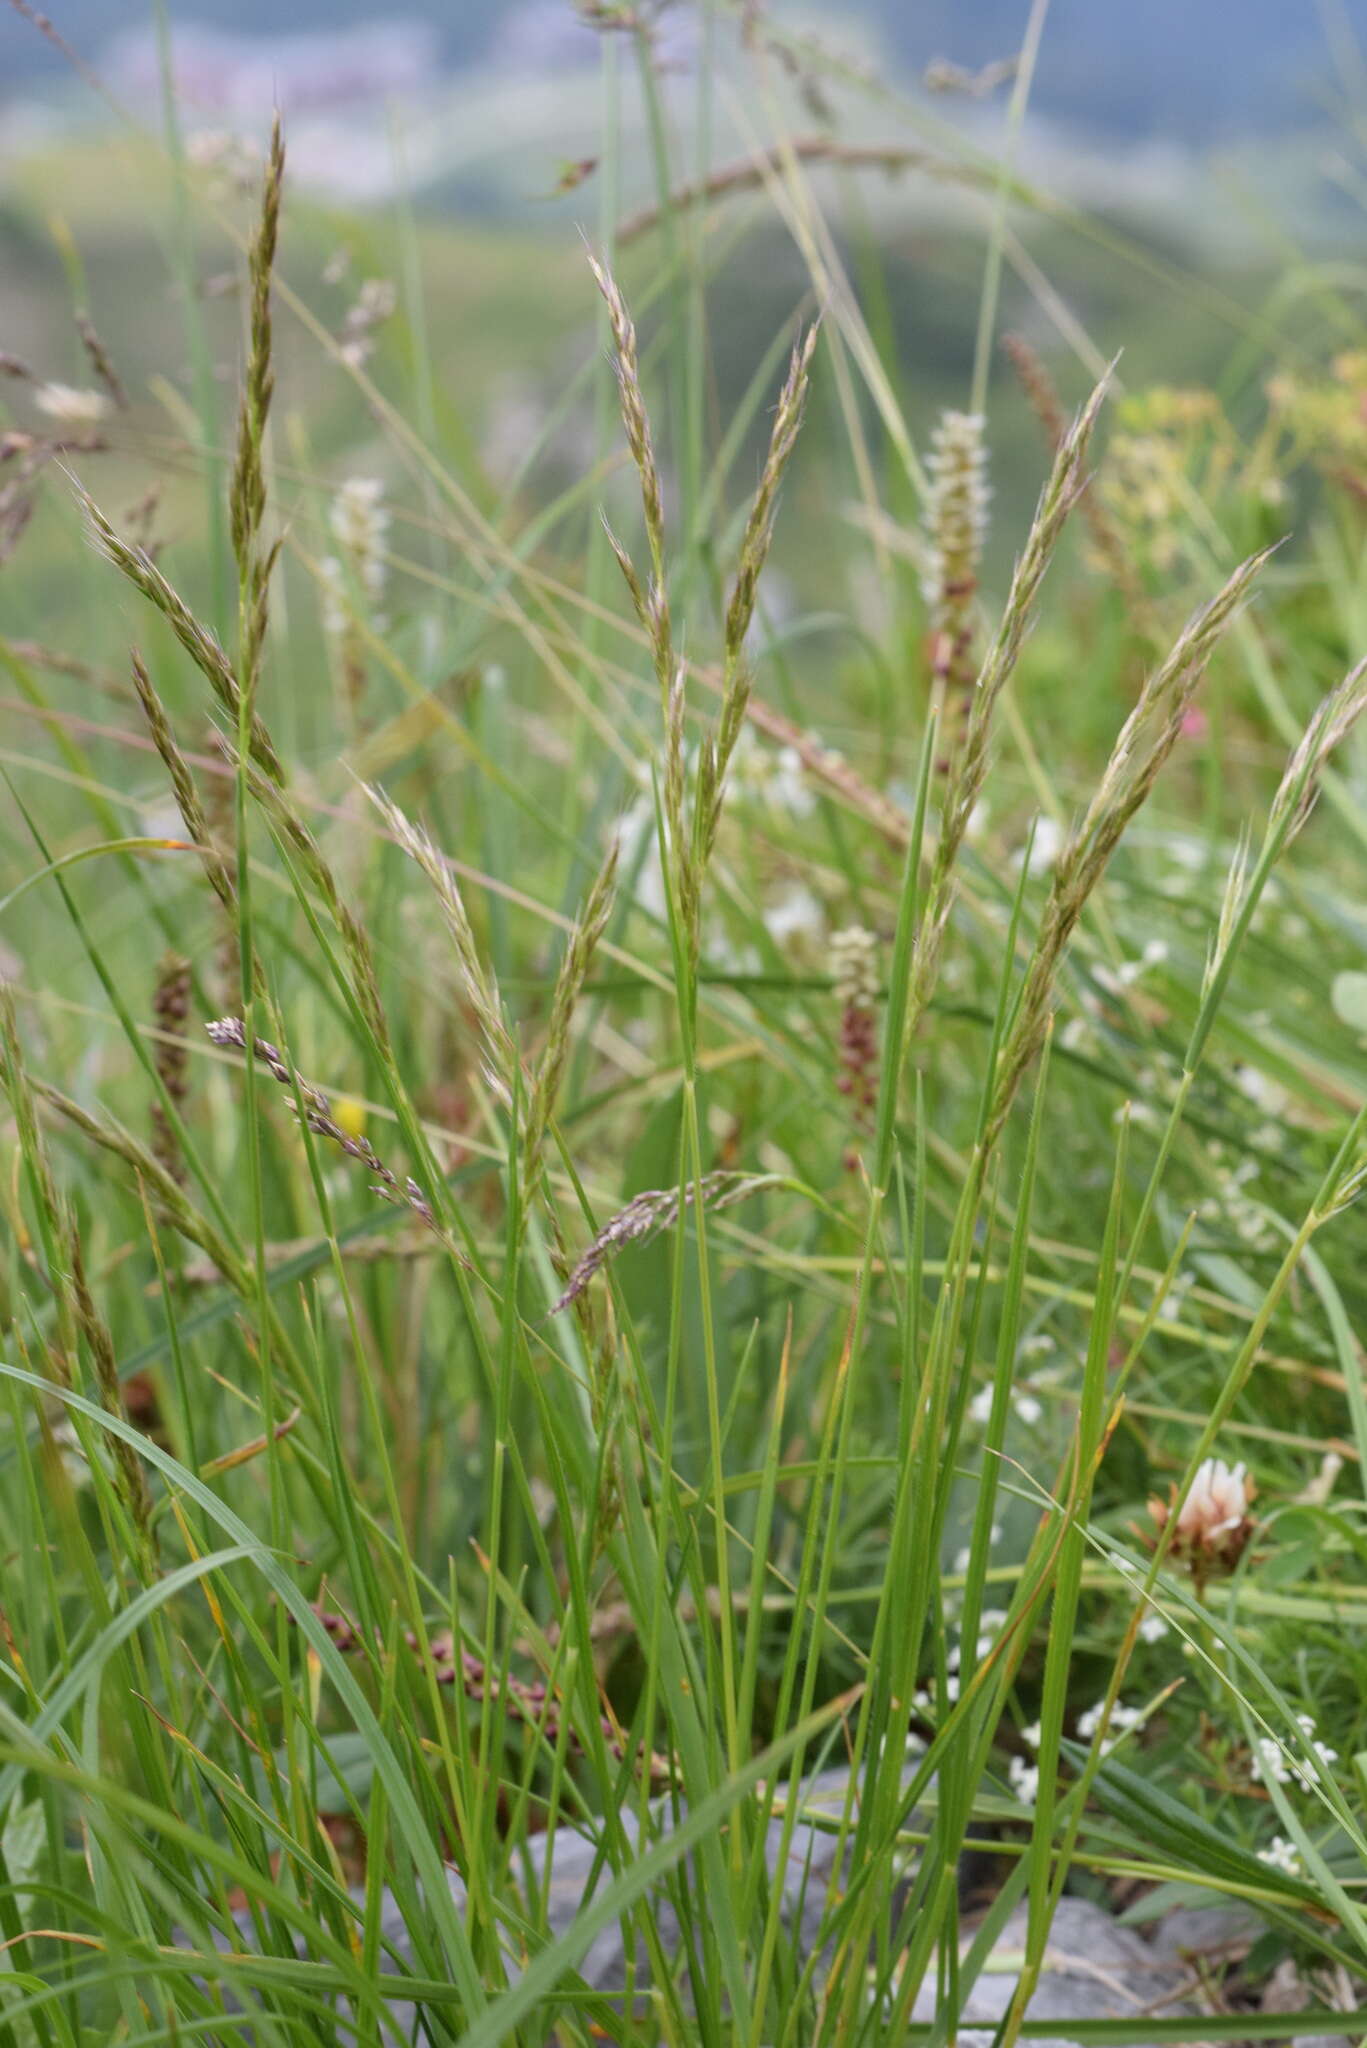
1196,73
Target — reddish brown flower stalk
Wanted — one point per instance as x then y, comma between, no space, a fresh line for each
529,1700
854,976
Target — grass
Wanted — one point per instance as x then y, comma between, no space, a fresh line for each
509,1327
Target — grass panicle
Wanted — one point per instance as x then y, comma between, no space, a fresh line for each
1143,745
101,362
170,1013
652,602
580,948
1299,789
754,553
964,784
1038,386
247,487
296,838
229,1034
652,1211
481,989
137,566
183,786
170,1199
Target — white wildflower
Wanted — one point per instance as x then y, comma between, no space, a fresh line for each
1282,1855
1213,1525
332,593
360,525
956,510
1023,1779
1153,1627
796,914
1270,1764
1261,1089
1217,1501
1045,847
776,780
1123,1719
1024,1405
374,304
789,789
71,407
853,958
1316,1749
231,159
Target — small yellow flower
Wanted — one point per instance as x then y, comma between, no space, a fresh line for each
349,1115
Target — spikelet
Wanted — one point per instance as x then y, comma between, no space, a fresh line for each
480,985
969,766
101,362
199,643
1038,387
1143,745
956,523
171,1009
574,970
853,956
1333,721
754,553
192,811
651,602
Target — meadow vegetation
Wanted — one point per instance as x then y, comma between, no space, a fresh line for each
680,1117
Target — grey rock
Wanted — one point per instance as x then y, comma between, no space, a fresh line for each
806,1876
1093,1970
1204,1931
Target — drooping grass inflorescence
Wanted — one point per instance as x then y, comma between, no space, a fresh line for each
229,1033
652,1211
